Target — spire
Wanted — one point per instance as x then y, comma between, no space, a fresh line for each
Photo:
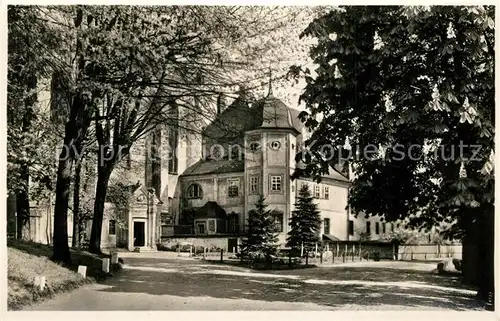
270,93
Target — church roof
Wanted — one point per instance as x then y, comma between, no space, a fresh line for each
232,122
275,114
270,112
209,166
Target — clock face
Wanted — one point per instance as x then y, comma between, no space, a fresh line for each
275,145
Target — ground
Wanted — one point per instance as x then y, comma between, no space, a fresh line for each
166,283
23,268
26,260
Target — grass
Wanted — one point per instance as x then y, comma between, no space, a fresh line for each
26,260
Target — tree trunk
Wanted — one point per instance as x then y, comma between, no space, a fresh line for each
66,159
22,197
22,202
478,254
76,206
486,251
104,172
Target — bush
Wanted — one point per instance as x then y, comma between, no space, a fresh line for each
442,266
376,256
184,247
458,264
167,247
199,250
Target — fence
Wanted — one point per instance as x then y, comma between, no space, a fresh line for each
342,252
219,255
429,251
328,254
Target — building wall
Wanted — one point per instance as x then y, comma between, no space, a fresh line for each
276,162
360,227
108,240
41,225
264,163
334,207
215,188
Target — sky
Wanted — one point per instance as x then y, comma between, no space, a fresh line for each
285,48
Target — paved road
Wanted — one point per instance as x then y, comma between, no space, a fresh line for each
159,283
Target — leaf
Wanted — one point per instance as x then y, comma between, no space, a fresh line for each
490,23
452,98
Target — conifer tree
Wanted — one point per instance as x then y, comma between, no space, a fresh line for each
305,223
261,236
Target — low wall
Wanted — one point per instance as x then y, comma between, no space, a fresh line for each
210,243
429,251
370,250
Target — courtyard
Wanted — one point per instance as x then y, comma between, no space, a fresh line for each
157,282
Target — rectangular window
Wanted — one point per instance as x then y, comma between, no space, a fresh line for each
211,225
201,228
392,227
377,228
326,192
351,227
368,228
326,226
112,227
383,227
233,223
254,184
276,182
397,225
172,151
317,191
278,220
232,188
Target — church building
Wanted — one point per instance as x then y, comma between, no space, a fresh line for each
247,151
194,184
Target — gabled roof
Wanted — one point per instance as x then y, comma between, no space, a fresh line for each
136,193
335,173
331,237
209,166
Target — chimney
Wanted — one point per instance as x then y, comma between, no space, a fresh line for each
220,104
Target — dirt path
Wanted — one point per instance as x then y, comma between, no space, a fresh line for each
167,284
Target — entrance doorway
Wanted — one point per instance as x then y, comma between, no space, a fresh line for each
139,234
232,245
201,228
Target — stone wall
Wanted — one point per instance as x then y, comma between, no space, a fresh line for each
429,251
384,251
205,242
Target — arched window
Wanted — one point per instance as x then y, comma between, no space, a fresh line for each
194,191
